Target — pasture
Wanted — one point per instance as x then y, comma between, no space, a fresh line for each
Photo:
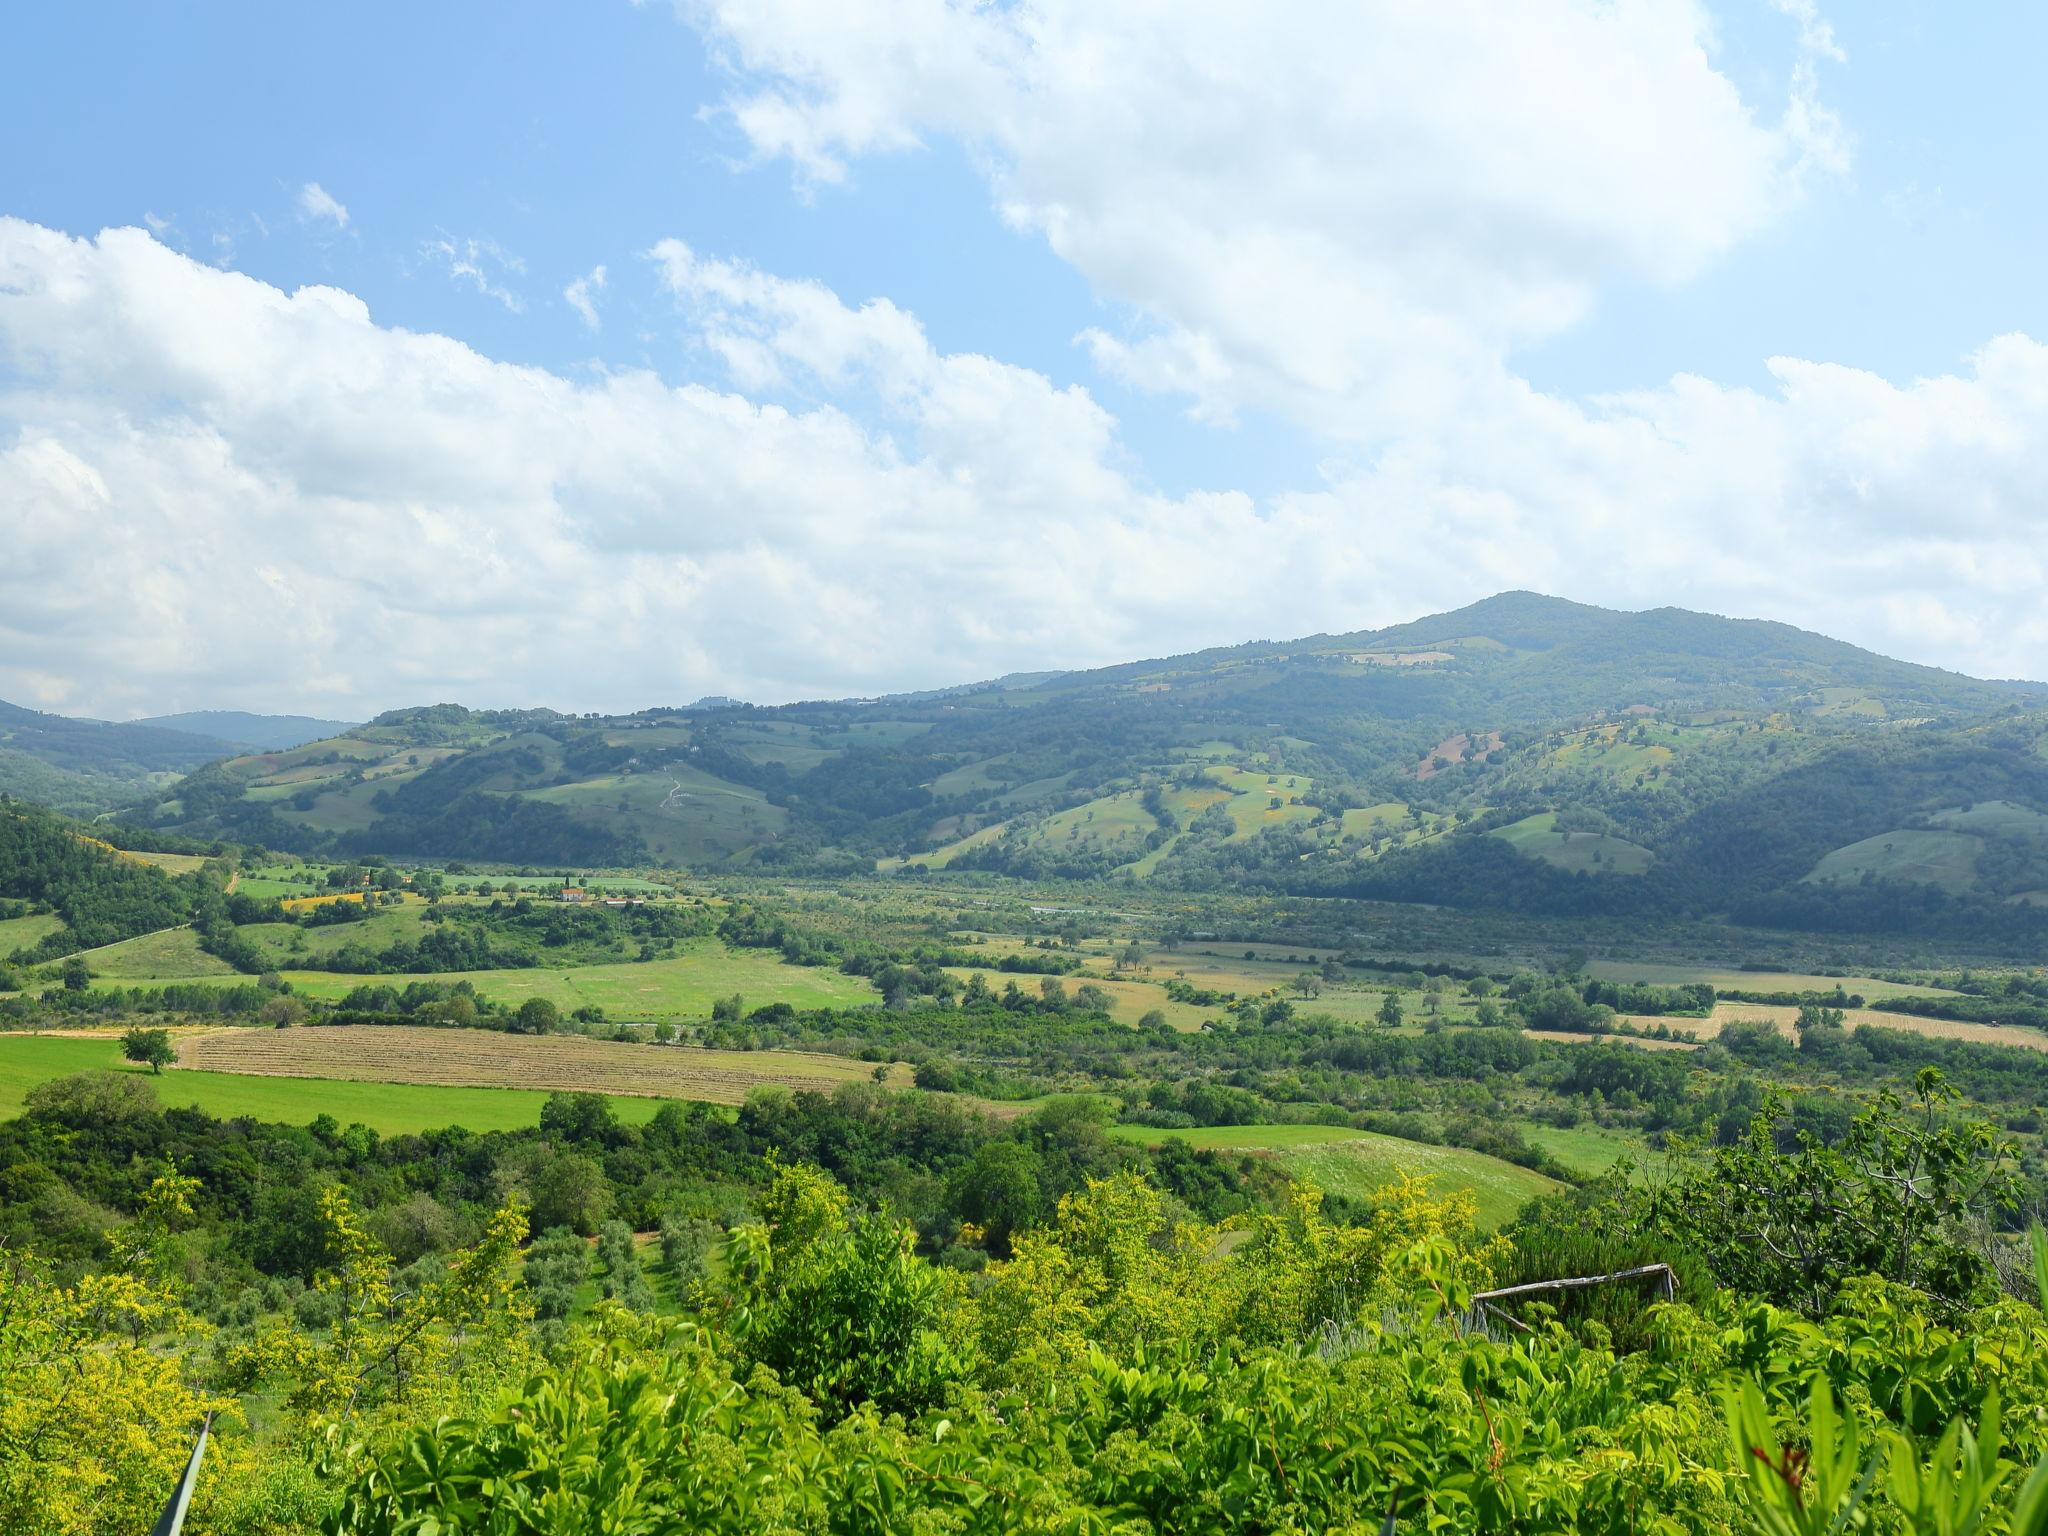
26,932
390,1109
1587,1149
682,987
1573,852
167,952
1946,859
1358,1164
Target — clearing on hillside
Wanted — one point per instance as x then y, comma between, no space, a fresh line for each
1591,852
1946,859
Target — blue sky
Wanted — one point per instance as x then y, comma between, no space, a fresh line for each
1168,335
569,137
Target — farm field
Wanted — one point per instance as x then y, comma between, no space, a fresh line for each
1356,1164
478,1058
390,1109
169,863
1571,1037
1729,979
1134,999
1783,1016
683,987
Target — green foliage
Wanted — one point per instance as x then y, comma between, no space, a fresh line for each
846,1312
1895,1199
151,1047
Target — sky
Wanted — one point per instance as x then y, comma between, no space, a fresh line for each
605,356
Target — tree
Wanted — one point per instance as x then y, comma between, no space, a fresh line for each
1001,1191
1390,1010
1309,984
536,1016
571,1192
577,1117
282,1012
76,974
150,1046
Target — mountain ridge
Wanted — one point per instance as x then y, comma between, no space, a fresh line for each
1519,752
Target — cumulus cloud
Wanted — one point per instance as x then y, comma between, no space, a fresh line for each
581,296
1354,210
214,487
317,205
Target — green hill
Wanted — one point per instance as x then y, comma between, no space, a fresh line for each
1524,752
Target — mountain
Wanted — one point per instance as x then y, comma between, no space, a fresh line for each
1523,753
91,765
239,729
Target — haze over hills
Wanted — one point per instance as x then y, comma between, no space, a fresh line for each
241,729
1524,752
89,766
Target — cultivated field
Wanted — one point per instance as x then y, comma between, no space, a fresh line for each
486,1059
1728,979
1571,1037
682,987
1783,1017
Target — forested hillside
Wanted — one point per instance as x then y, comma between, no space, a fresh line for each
1523,754
92,765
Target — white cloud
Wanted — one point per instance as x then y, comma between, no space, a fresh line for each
1353,210
480,265
319,206
581,296
254,497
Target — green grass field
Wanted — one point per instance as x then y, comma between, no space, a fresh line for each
167,952
26,932
388,1108
1359,1163
683,987
1587,1149
1946,859
1573,852
1249,1137
1996,818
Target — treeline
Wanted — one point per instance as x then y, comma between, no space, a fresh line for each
101,897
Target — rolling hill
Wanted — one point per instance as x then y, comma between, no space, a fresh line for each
92,765
1524,752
